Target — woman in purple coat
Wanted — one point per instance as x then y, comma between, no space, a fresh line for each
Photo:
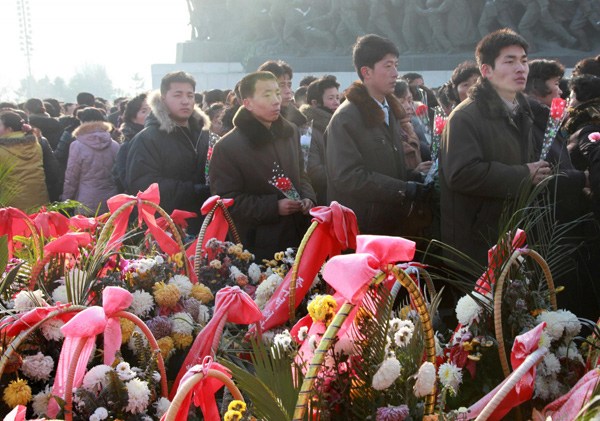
91,157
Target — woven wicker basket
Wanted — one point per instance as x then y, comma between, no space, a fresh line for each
513,261
327,340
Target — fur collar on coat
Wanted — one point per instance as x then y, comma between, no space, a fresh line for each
160,112
257,132
372,113
320,116
490,103
92,127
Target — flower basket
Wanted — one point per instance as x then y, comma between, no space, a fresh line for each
295,267
514,260
68,414
404,280
221,208
188,386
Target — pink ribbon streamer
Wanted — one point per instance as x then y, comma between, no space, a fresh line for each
217,227
231,305
17,414
12,222
568,406
85,326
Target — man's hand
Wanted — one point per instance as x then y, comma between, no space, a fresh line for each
307,205
539,171
424,167
289,207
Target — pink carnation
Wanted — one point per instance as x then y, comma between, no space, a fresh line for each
594,137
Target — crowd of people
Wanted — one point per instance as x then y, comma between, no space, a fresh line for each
370,150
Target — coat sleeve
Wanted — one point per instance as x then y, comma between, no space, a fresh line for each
316,161
144,162
346,167
465,168
52,171
72,174
62,150
227,180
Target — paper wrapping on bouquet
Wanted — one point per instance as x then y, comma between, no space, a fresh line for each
51,224
217,227
18,413
82,223
351,274
523,346
85,326
568,406
12,222
68,243
145,213
231,305
336,231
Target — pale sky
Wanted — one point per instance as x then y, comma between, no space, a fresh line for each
126,36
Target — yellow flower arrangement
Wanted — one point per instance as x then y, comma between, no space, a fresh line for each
182,340
246,256
165,344
233,416
166,295
16,393
202,293
127,328
322,308
236,405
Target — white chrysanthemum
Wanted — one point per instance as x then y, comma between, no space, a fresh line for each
265,290
59,295
283,339
142,303
303,333
137,333
159,259
425,380
571,352
546,388
203,314
559,323
26,300
545,340
550,365
143,265
101,412
395,324
313,342
40,401
156,376
468,310
403,336
387,374
182,323
183,284
138,395
450,375
96,378
254,273
124,371
38,366
94,417
234,272
162,406
51,329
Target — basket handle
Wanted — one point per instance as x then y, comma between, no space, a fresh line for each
187,386
498,298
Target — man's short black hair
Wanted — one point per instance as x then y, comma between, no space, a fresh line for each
212,96
317,88
35,106
540,71
488,49
176,77
300,95
585,87
307,80
85,98
248,82
588,66
279,68
401,88
369,49
410,76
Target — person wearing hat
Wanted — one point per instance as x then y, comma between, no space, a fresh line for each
92,155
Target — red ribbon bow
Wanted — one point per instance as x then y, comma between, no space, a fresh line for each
145,213
217,227
68,243
82,223
12,222
51,224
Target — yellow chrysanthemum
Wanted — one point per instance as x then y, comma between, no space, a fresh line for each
233,416
165,344
236,405
322,308
127,328
182,340
178,259
16,393
215,264
246,256
278,255
202,293
236,250
166,295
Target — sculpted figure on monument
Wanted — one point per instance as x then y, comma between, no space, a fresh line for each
299,35
457,21
379,22
416,31
496,14
349,27
537,14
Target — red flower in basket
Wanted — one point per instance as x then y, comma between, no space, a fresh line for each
422,110
439,124
557,109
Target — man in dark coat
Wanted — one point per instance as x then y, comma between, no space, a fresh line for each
262,147
364,152
171,150
487,151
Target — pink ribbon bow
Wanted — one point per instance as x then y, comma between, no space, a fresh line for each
145,213
231,305
85,326
336,231
68,243
51,224
12,326
82,223
523,345
203,392
12,222
217,227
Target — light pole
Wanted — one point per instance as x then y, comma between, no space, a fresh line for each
25,38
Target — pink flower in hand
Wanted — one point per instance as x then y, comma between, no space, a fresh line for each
594,137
